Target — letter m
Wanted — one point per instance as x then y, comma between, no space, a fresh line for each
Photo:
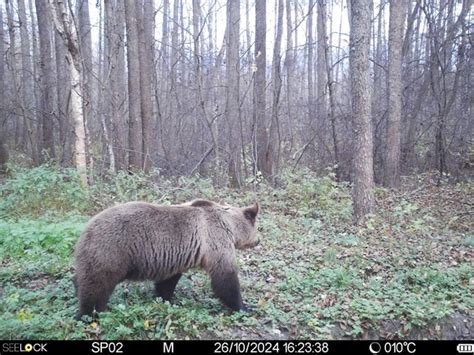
168,348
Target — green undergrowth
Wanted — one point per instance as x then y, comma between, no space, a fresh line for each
315,274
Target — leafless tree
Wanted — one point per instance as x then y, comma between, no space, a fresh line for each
360,91
261,139
171,85
67,31
47,82
395,42
145,12
232,104
3,111
134,109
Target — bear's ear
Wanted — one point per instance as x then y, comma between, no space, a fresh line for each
251,212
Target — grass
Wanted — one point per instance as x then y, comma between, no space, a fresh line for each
316,275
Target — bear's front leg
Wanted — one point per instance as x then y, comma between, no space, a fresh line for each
165,288
226,286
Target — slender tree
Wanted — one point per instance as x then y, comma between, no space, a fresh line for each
330,85
63,90
275,136
289,68
165,41
67,31
145,12
395,43
27,79
47,149
360,92
310,46
87,72
134,109
36,70
321,63
3,110
104,85
18,106
115,82
262,154
232,89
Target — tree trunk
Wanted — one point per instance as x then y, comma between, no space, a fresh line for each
378,96
3,109
330,88
466,105
174,45
232,89
121,88
17,105
68,33
27,81
164,45
309,44
78,117
47,150
171,94
85,45
248,37
105,87
395,43
63,90
145,13
199,79
275,136
261,140
289,66
36,88
109,84
321,65
114,85
134,110
363,197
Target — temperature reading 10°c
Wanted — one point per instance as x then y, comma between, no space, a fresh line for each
397,347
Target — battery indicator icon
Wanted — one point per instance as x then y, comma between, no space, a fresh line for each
465,348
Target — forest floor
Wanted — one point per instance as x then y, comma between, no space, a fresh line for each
406,273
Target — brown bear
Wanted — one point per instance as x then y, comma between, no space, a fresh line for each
143,241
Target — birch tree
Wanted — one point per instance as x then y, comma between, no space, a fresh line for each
67,31
3,116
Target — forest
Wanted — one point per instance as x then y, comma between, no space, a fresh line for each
349,121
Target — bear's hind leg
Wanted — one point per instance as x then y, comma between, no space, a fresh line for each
86,307
165,288
95,297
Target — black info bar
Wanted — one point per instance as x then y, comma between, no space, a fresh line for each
371,347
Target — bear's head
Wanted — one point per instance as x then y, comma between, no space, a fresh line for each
240,222
246,231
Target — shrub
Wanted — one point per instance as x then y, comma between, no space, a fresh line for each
317,197
44,188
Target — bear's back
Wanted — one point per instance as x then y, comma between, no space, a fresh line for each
150,241
141,220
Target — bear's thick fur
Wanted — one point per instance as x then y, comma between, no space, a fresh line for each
143,241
